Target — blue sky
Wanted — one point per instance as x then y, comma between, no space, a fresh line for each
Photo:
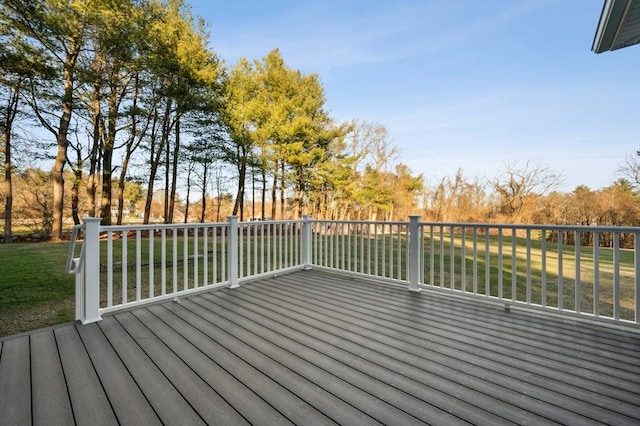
458,84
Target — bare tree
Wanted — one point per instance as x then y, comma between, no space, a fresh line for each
520,187
630,169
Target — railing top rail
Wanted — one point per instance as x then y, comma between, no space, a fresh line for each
269,222
143,227
370,222
158,226
535,226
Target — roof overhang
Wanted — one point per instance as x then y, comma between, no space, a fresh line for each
619,25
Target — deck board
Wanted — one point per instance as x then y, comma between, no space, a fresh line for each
15,383
167,403
312,347
51,405
212,408
122,390
88,400
240,397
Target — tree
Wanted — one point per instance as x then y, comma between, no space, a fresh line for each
240,116
629,169
15,67
406,190
519,188
58,30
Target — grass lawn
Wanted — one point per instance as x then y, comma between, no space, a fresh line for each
35,292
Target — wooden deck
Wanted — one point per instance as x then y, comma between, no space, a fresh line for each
317,348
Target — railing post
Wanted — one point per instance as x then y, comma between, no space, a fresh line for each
414,253
79,273
233,252
91,270
306,242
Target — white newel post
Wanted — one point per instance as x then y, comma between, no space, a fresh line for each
414,254
306,242
233,251
91,270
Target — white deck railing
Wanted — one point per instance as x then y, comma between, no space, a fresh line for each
119,267
566,269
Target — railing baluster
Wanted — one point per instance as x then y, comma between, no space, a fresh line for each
125,263
349,263
361,268
175,259
224,236
241,249
399,253
270,242
421,253
487,263
205,256
636,277
441,256
463,259
432,257
214,257
475,260
151,264
514,265
543,267
578,285
500,265
452,258
262,236
255,248
281,245
163,262
383,242
596,274
196,254
185,258
528,280
560,271
616,275
109,269
138,265
375,244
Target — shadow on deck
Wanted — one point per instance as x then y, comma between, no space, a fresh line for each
313,347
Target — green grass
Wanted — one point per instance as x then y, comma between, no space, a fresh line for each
35,292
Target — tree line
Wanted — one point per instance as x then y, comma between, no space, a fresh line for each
113,107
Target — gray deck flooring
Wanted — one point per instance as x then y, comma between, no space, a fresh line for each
312,347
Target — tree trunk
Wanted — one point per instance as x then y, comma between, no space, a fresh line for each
174,170
238,206
274,187
121,182
204,193
12,110
156,151
132,144
263,197
282,199
188,201
57,173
